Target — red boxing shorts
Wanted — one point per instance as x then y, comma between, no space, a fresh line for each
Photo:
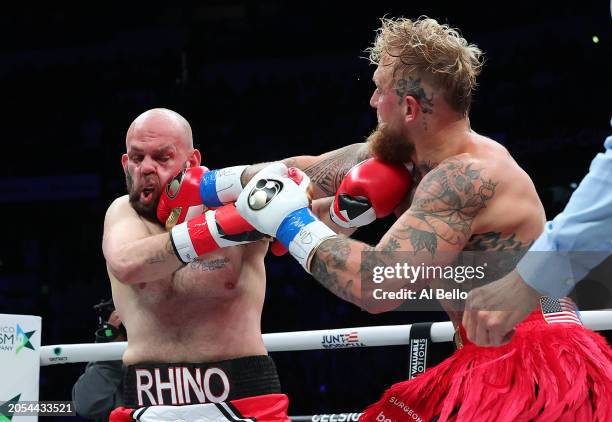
554,369
232,390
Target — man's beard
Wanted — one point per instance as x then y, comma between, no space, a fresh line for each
147,211
389,146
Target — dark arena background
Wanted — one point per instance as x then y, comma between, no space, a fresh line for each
259,81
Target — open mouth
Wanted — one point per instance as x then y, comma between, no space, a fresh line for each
147,193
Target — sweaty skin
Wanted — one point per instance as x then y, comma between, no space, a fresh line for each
469,194
206,311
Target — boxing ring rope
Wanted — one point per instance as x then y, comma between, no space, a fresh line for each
390,335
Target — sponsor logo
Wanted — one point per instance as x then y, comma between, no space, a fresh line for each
418,356
340,341
15,338
173,187
410,415
57,351
339,417
381,418
173,217
264,191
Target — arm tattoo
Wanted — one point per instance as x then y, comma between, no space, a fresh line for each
337,251
493,241
371,259
160,256
328,173
413,88
501,254
446,203
211,265
392,245
420,239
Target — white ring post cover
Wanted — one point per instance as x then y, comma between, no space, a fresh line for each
19,362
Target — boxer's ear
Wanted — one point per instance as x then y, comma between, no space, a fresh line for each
124,161
195,159
412,108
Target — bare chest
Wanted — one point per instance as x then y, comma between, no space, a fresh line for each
213,276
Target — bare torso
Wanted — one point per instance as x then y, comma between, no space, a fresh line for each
511,219
208,310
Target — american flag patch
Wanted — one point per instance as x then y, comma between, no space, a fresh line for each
562,310
352,337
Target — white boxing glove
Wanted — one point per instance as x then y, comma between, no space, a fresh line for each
222,186
276,205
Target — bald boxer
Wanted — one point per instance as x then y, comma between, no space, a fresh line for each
194,330
471,196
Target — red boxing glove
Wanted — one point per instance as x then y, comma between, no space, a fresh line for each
372,189
214,229
181,194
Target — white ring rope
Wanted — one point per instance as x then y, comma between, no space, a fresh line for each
390,335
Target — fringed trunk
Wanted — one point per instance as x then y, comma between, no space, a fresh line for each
548,372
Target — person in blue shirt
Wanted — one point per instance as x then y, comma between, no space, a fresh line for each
572,244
